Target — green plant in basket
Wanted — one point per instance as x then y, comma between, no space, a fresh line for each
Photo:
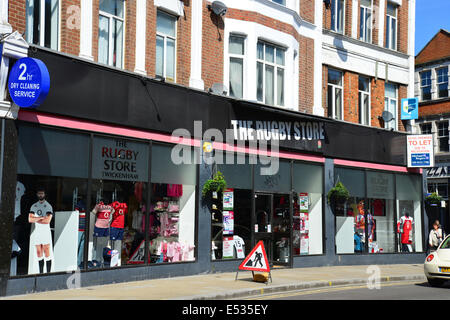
338,194
433,199
216,184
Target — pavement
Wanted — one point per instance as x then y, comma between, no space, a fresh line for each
224,286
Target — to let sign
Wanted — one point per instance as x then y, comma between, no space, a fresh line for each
28,82
420,151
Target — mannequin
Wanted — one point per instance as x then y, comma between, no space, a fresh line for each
104,214
117,225
405,229
41,213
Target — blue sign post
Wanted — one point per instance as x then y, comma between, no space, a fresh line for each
28,82
410,109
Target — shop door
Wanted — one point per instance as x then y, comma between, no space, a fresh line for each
272,226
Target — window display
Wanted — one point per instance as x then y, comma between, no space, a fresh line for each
47,228
409,213
117,225
173,205
52,179
351,216
380,212
231,226
307,215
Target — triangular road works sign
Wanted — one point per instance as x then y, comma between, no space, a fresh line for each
256,260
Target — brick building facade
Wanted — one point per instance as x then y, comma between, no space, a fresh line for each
311,36
432,90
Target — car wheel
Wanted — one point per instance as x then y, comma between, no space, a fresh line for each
435,282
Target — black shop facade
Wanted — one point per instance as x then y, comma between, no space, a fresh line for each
122,162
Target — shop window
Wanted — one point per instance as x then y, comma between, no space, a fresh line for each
425,85
365,21
231,222
236,52
364,100
118,202
380,212
270,69
409,221
337,15
442,82
173,207
391,26
165,45
351,216
111,32
49,219
334,97
43,22
307,214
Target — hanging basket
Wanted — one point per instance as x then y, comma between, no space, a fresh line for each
433,199
216,184
338,194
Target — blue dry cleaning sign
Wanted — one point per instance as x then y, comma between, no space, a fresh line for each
28,82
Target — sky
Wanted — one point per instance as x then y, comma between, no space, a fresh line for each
431,15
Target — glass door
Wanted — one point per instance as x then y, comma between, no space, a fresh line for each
272,223
263,222
281,222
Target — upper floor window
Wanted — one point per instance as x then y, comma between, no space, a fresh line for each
365,21
442,82
364,100
425,85
42,22
236,53
335,106
443,136
391,26
111,32
270,68
165,45
390,104
337,15
283,2
425,128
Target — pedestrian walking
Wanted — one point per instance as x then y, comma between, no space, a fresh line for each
435,237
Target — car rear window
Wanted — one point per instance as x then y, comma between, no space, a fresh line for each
446,243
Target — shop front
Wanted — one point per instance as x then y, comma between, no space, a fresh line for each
108,184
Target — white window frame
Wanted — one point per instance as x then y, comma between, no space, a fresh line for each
275,68
237,56
388,125
165,37
333,100
335,7
362,111
438,83
389,36
366,28
111,18
439,136
29,35
422,86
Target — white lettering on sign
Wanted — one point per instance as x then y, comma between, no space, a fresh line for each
277,130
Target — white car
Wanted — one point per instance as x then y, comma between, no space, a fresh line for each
437,264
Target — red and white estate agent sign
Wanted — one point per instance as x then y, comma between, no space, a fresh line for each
420,151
